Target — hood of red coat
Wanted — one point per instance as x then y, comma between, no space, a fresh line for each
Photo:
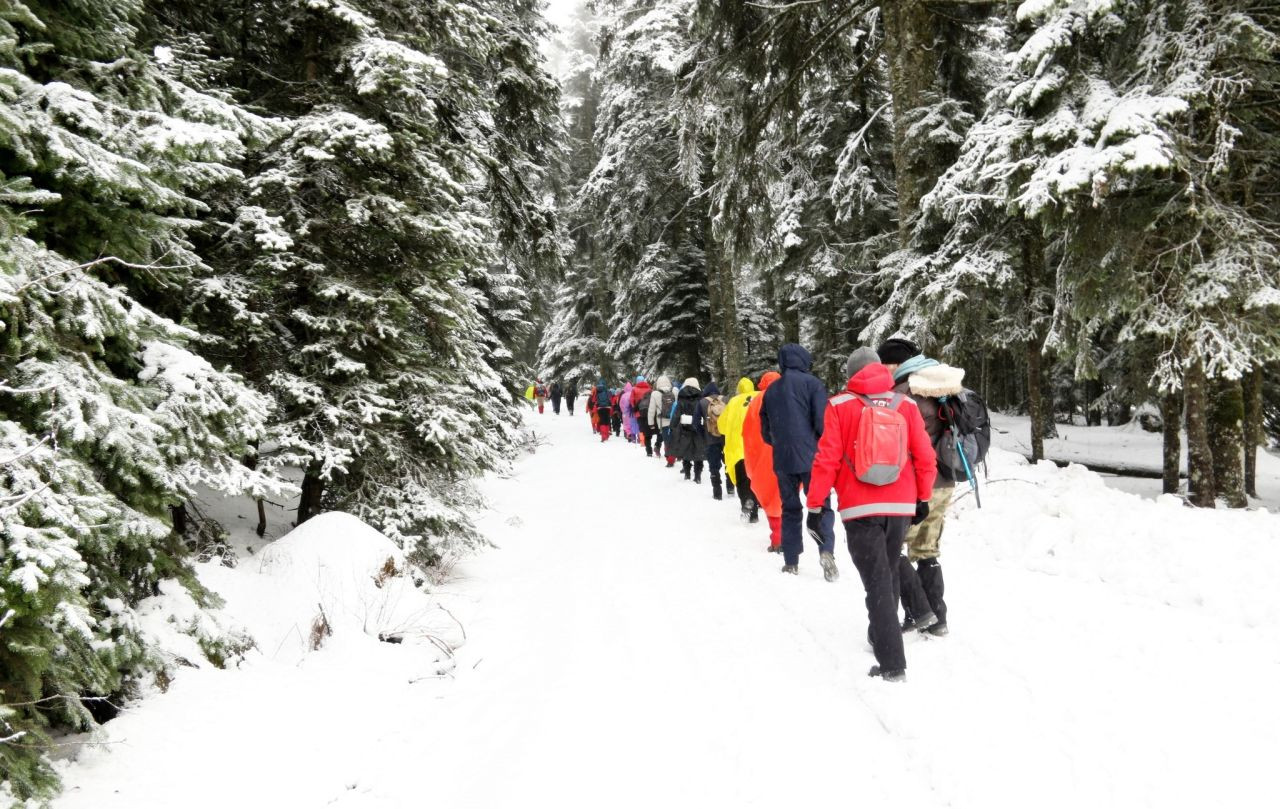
874,378
769,377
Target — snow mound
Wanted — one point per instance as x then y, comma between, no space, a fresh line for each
1068,522
330,546
332,582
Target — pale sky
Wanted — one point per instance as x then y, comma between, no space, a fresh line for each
558,11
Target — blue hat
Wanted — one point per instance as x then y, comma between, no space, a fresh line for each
640,378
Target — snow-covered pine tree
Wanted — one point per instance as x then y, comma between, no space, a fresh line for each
572,346
650,229
107,418
1105,186
376,275
521,131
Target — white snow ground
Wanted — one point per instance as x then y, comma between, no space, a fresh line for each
1125,447
630,644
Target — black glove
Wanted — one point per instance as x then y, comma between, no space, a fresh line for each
814,523
922,511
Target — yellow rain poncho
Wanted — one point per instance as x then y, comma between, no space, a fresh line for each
730,424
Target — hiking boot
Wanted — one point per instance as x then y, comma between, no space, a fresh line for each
729,488
671,461
775,549
893,675
828,561
920,624
688,476
717,496
755,516
744,515
794,570
938,630
697,479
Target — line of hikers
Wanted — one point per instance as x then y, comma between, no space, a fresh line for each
892,445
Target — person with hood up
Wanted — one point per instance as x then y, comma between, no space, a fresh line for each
571,395
791,421
878,503
624,404
925,380
710,409
688,436
660,404
640,393
557,393
758,458
604,409
735,466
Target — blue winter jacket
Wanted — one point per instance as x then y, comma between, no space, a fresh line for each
792,411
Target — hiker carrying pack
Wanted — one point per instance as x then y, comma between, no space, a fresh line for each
880,445
967,438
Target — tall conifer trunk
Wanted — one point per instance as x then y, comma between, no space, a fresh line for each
1252,428
312,493
1199,454
1226,440
910,42
1171,416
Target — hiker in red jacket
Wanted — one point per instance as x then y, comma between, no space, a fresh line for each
883,474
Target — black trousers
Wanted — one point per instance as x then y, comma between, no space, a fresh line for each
555,404
745,496
922,588
568,402
875,543
715,460
647,431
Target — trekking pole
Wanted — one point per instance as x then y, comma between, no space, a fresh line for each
968,469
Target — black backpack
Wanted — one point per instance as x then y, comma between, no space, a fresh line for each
642,407
668,401
968,430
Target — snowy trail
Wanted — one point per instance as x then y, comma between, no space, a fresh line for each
630,643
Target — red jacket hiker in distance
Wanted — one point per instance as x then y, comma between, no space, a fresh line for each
831,469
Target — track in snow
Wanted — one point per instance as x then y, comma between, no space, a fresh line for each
631,643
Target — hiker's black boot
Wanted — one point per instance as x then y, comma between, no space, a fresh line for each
893,675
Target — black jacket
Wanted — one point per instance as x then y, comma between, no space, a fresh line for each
688,441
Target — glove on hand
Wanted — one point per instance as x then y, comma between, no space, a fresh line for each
813,523
922,511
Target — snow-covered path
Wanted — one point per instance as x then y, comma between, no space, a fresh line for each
630,643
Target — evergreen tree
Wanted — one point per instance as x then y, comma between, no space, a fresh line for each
107,418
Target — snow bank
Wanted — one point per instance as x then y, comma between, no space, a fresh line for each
332,571
1068,522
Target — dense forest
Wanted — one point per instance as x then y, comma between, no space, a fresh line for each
316,249
1077,202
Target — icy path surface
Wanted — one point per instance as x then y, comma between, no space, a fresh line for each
631,644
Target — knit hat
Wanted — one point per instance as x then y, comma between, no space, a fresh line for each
692,382
897,351
639,379
859,359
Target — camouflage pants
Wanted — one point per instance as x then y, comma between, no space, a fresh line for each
923,539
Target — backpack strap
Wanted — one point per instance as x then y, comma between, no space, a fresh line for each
887,399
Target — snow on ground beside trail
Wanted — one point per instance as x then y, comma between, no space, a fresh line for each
1126,446
629,643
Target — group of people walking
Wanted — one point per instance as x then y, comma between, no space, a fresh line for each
891,446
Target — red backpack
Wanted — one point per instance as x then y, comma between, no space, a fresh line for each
880,446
